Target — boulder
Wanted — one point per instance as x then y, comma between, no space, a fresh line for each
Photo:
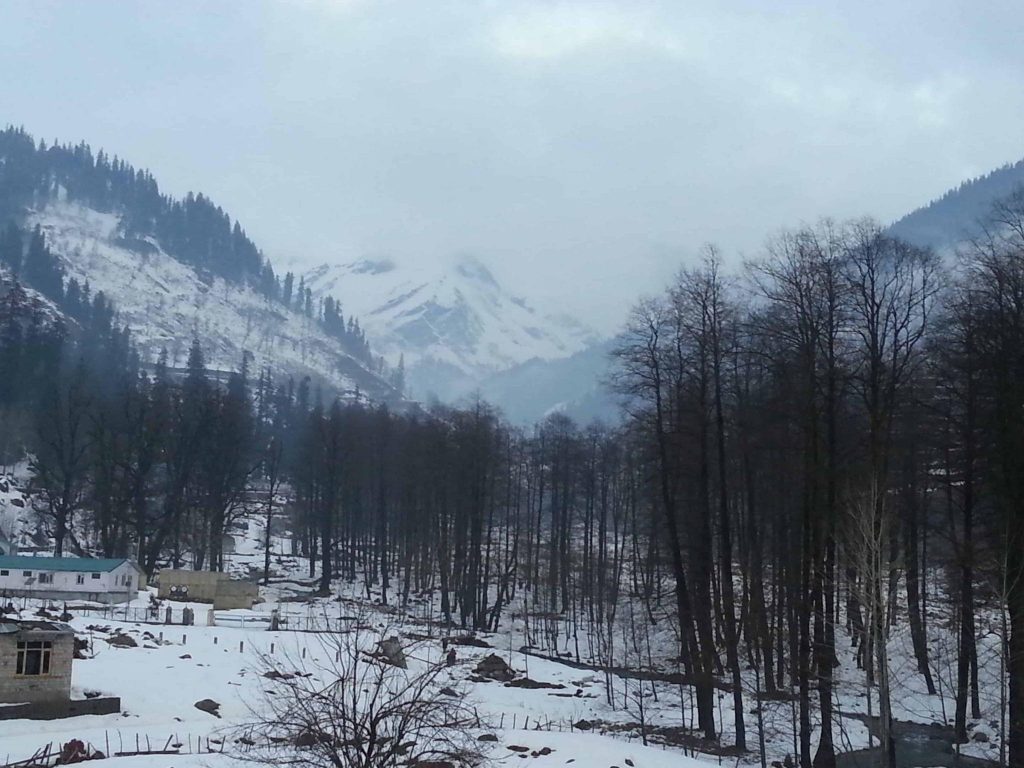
493,667
208,705
391,651
122,641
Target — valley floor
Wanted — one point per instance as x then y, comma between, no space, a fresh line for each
581,714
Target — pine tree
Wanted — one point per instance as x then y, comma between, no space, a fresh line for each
11,248
286,290
42,270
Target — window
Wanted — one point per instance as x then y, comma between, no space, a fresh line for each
34,657
80,578
95,575
5,572
26,574
46,578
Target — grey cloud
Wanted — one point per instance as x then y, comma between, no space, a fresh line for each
583,149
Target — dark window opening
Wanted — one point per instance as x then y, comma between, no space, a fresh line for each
95,575
34,657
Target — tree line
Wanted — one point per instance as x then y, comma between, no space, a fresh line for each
813,448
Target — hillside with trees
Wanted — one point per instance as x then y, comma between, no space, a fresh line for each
75,223
821,461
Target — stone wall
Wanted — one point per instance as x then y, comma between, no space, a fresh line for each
53,710
232,593
202,585
64,596
209,587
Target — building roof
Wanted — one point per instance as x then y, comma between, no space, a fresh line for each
75,564
11,626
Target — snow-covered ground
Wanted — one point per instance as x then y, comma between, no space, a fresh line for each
173,667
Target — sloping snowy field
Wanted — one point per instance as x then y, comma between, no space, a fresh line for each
159,683
173,667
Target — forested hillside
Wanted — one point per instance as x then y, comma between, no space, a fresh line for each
820,452
79,225
955,216
821,469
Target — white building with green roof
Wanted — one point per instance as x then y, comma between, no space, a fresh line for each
102,580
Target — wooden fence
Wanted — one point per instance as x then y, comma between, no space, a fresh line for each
118,746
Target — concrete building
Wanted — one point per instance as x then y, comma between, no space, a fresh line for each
219,589
70,578
35,661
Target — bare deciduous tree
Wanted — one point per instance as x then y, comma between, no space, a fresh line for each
344,705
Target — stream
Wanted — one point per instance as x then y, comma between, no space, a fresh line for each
918,745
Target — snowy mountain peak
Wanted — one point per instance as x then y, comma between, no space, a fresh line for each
452,320
473,269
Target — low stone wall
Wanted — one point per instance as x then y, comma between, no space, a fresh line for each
235,594
208,587
201,585
55,710
59,596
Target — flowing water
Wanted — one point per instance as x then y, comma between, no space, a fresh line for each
918,745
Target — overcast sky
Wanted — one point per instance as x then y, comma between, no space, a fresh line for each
583,149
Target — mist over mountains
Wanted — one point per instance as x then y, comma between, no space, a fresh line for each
451,323
374,327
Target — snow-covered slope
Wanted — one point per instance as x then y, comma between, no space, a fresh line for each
453,322
164,302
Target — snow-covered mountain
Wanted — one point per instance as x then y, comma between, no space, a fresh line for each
165,302
452,321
